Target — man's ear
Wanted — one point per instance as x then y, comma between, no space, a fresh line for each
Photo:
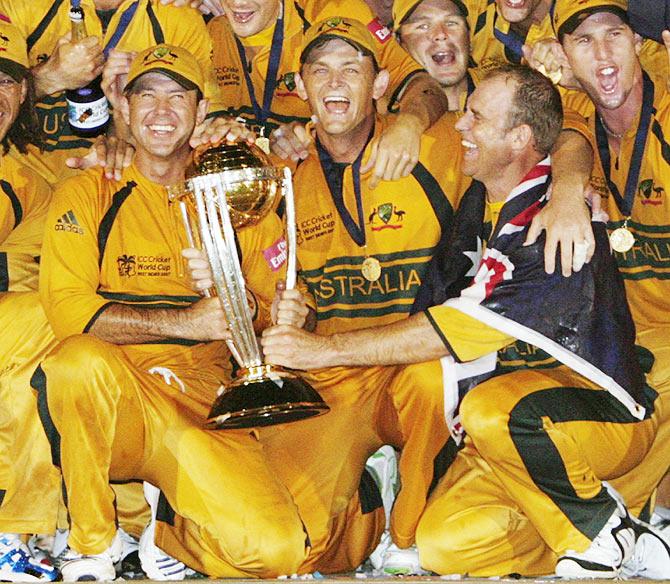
638,43
522,137
201,112
300,86
24,90
381,84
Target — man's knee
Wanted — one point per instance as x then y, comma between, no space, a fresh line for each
483,416
67,374
282,549
421,385
268,549
457,544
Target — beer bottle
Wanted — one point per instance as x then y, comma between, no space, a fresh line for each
87,107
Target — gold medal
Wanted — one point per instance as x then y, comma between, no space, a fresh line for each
371,269
621,239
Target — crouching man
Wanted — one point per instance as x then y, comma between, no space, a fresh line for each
524,492
125,393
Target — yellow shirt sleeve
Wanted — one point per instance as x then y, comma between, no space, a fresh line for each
466,338
20,243
575,122
69,275
19,14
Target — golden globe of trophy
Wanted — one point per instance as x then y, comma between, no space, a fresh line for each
233,186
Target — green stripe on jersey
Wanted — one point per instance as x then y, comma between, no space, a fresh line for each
348,288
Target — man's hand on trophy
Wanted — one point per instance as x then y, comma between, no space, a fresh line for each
296,348
110,152
207,321
198,268
291,141
220,128
289,307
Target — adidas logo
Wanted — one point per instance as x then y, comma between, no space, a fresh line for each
68,222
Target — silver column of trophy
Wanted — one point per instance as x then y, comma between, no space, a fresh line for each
228,187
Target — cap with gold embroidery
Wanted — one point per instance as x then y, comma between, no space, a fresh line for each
569,14
13,52
175,62
402,9
350,30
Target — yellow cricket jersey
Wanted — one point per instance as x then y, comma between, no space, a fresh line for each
286,105
112,241
491,39
43,22
646,267
403,221
493,42
24,200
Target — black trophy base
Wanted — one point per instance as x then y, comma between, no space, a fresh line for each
265,401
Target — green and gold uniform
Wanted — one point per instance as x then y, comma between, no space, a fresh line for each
118,412
492,39
24,201
26,472
645,267
399,224
286,105
149,22
527,482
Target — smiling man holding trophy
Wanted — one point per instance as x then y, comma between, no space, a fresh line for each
127,391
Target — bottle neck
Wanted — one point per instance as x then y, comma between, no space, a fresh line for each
77,24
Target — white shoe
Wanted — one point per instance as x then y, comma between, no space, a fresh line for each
156,564
389,560
402,562
128,566
610,549
660,519
383,466
377,557
77,567
18,565
651,558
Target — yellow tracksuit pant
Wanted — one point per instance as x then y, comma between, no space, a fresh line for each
369,407
528,484
29,483
112,419
224,509
638,485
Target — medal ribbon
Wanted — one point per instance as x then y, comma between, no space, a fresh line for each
512,41
262,114
124,23
355,230
625,203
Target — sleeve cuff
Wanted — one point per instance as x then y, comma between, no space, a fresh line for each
397,94
444,339
96,315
